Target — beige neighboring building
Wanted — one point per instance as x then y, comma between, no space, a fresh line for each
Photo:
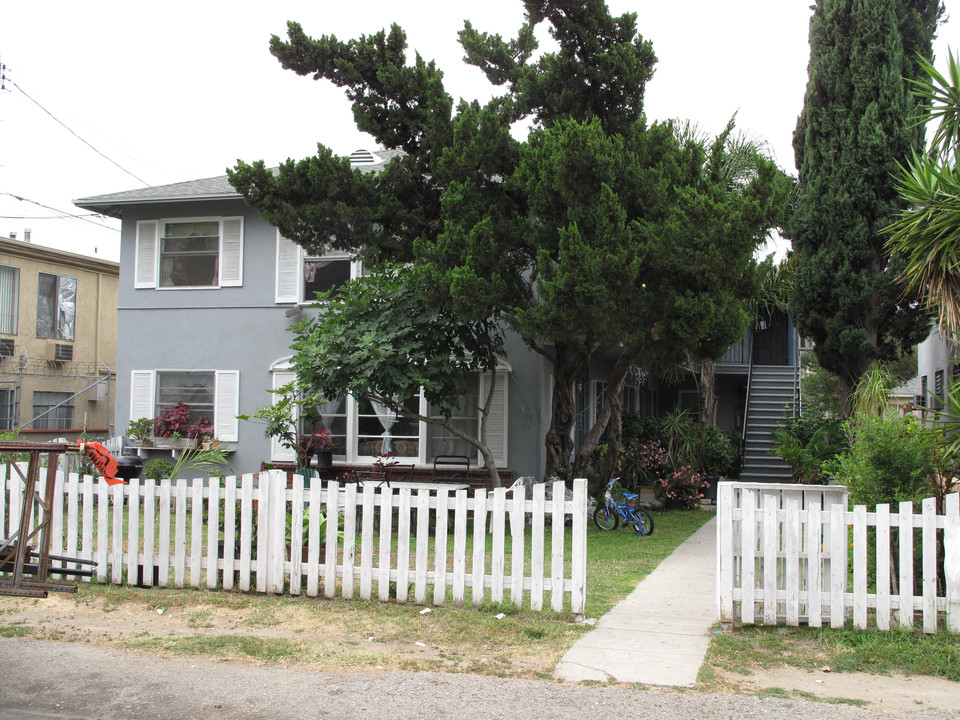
58,342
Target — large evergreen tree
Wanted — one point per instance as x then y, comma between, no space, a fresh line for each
857,124
555,235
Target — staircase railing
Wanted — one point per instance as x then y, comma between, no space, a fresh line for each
746,400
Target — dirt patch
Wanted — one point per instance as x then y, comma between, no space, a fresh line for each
894,693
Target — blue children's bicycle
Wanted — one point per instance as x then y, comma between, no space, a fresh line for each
607,515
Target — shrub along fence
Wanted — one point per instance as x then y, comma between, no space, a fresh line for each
255,533
796,553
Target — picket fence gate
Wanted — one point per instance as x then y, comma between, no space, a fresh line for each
784,555
393,539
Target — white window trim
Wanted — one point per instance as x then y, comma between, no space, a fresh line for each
229,261
289,285
226,393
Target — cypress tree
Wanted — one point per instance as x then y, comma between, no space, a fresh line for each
857,125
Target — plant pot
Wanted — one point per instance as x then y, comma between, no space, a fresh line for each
710,488
325,458
308,474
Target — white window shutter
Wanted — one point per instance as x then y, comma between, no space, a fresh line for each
146,257
279,453
227,405
497,419
231,252
289,270
141,394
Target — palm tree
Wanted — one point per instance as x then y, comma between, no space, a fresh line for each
928,232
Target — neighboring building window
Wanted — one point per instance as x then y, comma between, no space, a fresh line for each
938,389
56,306
52,410
212,393
6,408
9,299
189,253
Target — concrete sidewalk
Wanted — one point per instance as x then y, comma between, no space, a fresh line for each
658,635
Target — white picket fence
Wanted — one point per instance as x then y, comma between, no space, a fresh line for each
389,541
785,555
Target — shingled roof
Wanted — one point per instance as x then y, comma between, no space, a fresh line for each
215,188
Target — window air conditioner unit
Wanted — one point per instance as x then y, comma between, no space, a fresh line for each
59,353
6,347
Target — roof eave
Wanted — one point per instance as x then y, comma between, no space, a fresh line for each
114,208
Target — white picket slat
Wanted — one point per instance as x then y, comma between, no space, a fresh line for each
127,530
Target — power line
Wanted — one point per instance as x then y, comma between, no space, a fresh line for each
61,213
144,182
47,217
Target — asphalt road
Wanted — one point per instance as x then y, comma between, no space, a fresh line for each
45,679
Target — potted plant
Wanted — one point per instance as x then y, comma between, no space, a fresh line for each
280,424
716,458
141,430
173,426
319,443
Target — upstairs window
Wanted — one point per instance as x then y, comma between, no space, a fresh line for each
300,277
9,299
56,306
189,253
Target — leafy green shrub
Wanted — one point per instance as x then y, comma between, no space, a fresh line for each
641,427
890,460
717,454
808,442
157,469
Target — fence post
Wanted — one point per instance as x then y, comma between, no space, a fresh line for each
951,560
578,574
725,531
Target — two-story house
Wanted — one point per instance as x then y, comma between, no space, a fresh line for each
58,342
208,291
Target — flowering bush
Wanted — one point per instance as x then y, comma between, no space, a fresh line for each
683,488
644,458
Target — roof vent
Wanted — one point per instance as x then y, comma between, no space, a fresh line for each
363,157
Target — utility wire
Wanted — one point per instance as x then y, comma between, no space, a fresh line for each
144,182
61,212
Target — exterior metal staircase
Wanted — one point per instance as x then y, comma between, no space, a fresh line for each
771,395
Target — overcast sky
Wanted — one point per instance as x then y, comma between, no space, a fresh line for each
180,90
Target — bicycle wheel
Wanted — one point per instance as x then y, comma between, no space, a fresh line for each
605,518
642,522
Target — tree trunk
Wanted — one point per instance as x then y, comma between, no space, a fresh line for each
708,393
610,420
568,365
